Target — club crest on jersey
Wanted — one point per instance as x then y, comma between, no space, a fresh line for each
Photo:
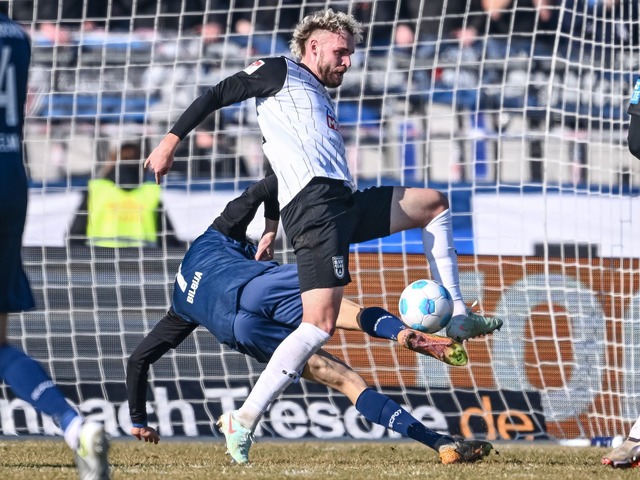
338,266
331,120
253,67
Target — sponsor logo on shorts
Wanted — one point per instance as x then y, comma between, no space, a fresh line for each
338,266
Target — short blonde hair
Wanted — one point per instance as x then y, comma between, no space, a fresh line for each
334,22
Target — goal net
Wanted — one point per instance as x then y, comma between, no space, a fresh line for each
516,113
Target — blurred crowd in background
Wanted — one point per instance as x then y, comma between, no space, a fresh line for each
108,72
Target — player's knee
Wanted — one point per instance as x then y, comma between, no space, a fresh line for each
326,323
427,204
438,201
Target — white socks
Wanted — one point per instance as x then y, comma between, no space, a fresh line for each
437,240
72,432
284,367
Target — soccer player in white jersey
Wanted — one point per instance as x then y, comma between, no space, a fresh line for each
321,212
628,453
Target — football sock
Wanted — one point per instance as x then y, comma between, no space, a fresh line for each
283,368
379,323
30,383
72,431
380,409
437,240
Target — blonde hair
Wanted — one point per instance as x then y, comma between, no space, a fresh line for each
334,22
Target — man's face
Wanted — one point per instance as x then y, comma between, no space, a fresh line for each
328,55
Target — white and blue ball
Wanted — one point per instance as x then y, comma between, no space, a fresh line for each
426,305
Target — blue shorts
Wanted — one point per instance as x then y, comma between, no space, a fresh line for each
270,309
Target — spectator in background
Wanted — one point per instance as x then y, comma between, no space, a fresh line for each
265,26
207,19
450,22
521,36
529,25
436,39
377,18
57,20
121,209
595,25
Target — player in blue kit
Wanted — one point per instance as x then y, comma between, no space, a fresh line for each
251,306
25,376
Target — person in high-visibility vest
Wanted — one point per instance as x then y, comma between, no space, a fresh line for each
120,209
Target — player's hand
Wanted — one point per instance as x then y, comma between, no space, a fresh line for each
147,434
161,158
265,246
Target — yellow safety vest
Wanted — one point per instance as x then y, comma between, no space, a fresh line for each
122,218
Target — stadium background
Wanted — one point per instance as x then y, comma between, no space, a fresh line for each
524,131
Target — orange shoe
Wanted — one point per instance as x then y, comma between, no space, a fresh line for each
441,348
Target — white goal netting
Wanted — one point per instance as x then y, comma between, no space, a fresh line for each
516,112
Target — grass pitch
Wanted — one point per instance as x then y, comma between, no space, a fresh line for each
51,459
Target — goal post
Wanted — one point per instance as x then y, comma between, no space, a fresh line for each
522,126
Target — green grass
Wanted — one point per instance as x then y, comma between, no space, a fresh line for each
49,459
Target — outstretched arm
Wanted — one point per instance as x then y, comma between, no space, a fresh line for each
161,158
261,79
167,334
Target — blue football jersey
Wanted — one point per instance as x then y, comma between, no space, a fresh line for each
15,55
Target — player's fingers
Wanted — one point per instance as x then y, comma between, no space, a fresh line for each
158,178
146,163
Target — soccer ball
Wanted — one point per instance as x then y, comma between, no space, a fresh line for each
426,305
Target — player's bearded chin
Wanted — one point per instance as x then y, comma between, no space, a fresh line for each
330,77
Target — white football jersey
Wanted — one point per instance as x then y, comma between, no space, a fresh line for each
297,118
302,137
